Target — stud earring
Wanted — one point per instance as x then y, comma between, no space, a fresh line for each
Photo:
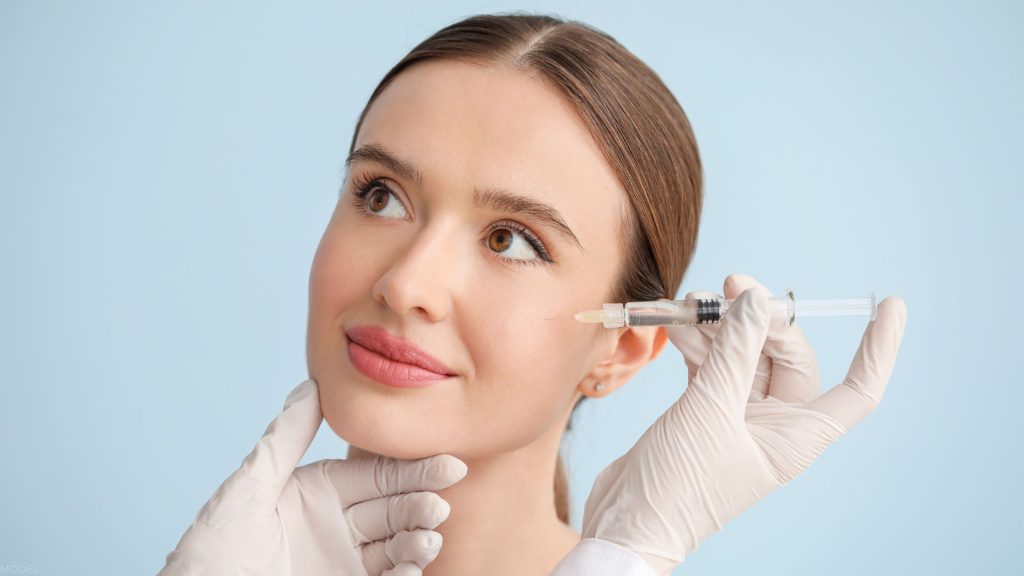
599,386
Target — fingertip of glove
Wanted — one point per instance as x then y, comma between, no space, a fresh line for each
755,301
898,305
701,294
304,389
440,512
448,469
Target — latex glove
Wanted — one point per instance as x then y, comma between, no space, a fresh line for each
751,419
360,517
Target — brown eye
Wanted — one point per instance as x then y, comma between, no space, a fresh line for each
500,239
526,250
377,202
368,200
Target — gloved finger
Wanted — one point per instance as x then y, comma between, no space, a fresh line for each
869,372
696,341
404,569
691,340
264,472
732,287
419,547
381,518
362,479
791,366
697,348
727,374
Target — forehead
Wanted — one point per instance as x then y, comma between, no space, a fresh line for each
468,125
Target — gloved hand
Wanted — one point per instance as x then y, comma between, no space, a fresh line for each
360,517
751,419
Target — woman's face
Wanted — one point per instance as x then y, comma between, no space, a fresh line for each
462,281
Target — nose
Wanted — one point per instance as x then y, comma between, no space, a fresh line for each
420,278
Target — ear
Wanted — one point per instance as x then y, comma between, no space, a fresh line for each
633,349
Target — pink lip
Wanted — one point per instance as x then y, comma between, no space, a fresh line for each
393,360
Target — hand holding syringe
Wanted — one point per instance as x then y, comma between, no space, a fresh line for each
752,415
713,310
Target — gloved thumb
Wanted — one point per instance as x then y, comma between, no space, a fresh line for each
268,467
727,374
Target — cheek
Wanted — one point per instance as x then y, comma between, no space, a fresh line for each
340,278
529,359
337,282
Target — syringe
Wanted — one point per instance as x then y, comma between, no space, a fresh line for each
712,310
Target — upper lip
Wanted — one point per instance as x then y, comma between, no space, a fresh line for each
396,348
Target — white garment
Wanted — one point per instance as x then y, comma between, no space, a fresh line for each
597,557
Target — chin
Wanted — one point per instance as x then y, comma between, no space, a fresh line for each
378,432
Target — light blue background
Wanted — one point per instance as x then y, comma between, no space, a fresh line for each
166,172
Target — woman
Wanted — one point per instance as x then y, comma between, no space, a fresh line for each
487,109
507,173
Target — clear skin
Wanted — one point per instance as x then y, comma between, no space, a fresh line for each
425,264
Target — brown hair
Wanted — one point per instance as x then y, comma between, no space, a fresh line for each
639,126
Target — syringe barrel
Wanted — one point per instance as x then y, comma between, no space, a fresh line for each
691,312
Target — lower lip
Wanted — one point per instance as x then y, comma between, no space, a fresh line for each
387,371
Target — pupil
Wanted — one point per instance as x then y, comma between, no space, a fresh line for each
376,202
500,241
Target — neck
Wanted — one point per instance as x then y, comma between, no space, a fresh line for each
503,518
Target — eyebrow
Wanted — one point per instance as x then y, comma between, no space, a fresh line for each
496,199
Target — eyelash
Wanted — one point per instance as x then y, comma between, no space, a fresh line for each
363,185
